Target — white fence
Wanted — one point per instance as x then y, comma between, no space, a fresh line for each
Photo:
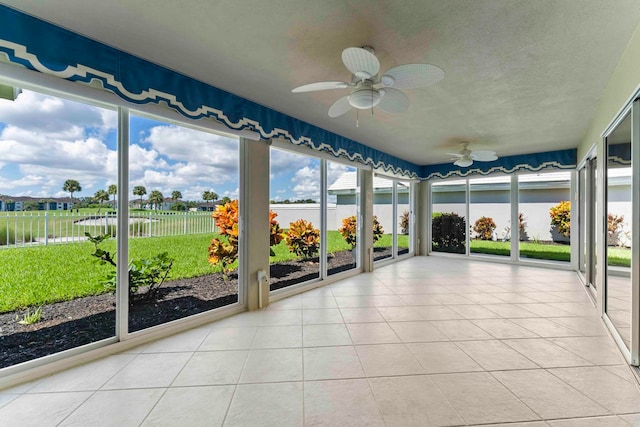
44,228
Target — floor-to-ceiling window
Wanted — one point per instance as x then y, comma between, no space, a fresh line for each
183,221
490,215
449,216
587,236
295,205
383,217
618,204
58,162
343,218
405,217
544,216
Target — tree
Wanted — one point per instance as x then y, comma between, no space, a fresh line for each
100,197
225,199
208,196
156,198
71,186
113,190
176,195
139,190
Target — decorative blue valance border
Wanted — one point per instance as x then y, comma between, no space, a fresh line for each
562,159
49,49
619,153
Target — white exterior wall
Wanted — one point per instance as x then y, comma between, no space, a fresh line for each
288,213
385,216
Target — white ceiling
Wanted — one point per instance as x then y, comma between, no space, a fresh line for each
521,76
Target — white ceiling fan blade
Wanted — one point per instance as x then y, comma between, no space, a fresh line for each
362,63
484,156
340,107
463,163
393,101
412,75
311,87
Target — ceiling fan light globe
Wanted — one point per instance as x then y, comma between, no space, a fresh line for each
387,80
364,99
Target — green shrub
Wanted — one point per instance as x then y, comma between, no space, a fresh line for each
8,236
404,222
148,273
303,239
378,232
484,228
349,229
448,233
561,218
522,226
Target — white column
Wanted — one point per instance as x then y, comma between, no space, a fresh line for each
423,213
635,233
366,208
515,220
122,235
254,222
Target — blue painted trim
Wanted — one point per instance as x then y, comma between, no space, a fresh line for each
562,159
47,48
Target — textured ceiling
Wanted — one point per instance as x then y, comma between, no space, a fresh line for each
521,76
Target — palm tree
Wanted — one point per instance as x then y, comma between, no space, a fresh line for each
156,198
100,197
176,195
139,190
71,186
207,196
113,190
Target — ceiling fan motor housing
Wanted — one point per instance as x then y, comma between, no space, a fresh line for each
365,98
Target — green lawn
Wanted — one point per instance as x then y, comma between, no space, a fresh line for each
555,252
44,274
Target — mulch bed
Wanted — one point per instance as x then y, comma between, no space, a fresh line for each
70,324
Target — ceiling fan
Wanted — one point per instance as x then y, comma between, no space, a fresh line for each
369,90
466,157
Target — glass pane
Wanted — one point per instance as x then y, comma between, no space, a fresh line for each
343,201
449,206
382,218
181,262
404,226
594,208
618,178
582,199
545,216
295,201
57,161
490,214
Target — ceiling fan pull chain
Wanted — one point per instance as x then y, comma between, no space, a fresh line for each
357,121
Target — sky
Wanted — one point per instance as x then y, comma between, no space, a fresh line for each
45,140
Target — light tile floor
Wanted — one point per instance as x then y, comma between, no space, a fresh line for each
423,342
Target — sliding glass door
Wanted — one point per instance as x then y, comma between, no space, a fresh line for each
618,208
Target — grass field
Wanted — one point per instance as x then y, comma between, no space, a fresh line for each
44,274
620,257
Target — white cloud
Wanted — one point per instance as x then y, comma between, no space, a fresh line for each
282,162
335,170
307,183
57,117
45,140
